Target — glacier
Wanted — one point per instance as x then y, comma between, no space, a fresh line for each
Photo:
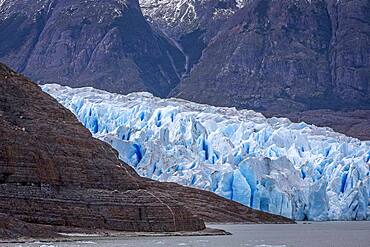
296,170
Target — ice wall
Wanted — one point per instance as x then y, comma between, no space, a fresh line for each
293,169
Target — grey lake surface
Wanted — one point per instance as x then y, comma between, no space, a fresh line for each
315,234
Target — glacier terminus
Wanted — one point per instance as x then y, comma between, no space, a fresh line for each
293,169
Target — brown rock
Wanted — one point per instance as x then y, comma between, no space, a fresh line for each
53,172
11,228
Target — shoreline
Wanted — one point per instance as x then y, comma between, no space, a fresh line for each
113,235
318,234
77,234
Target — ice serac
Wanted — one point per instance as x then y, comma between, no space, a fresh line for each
293,169
54,173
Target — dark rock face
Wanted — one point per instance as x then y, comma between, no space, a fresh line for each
12,228
53,172
106,44
190,23
286,55
283,58
350,50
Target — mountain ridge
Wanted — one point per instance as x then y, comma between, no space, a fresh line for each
88,43
288,58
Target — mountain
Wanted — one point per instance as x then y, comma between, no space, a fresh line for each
305,54
180,17
106,44
293,169
306,60
190,23
53,173
282,58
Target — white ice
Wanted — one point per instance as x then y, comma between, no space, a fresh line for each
293,169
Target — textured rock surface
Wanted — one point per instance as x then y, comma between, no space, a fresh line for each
106,44
11,228
285,56
189,23
180,18
53,172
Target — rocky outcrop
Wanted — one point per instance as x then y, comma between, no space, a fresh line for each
52,172
287,56
106,44
12,228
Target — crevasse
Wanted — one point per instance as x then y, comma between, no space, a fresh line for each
293,169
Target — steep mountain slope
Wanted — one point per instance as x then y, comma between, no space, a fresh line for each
179,17
106,44
52,172
298,59
293,169
191,23
279,57
287,55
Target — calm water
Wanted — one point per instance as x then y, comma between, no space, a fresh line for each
326,234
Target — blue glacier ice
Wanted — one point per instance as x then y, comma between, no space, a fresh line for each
293,169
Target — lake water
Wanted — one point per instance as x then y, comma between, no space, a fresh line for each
317,234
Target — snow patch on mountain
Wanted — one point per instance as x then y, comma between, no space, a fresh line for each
172,11
4,4
185,16
293,169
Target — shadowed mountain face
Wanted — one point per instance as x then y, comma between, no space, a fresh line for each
192,23
52,172
287,55
106,44
278,57
282,58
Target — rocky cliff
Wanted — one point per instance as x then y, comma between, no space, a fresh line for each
52,172
279,57
106,44
306,54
